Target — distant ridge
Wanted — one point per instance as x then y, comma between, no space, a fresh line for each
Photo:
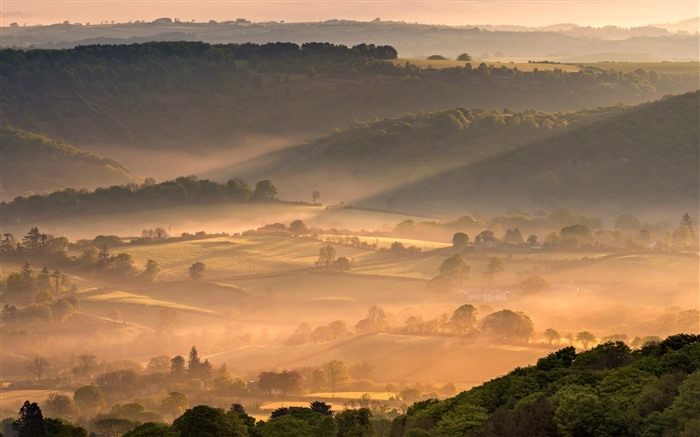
33,163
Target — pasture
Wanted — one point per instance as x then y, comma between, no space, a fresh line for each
665,67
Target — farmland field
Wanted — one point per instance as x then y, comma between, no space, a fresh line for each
692,68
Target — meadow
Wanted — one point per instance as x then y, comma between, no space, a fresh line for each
666,67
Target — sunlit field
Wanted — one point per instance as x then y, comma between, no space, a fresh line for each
691,68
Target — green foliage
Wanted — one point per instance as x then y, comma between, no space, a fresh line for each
606,391
181,191
509,326
204,421
455,269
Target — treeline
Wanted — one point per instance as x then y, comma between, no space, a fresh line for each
168,65
181,191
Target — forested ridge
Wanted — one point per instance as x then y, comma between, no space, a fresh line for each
184,190
35,163
609,390
621,154
193,95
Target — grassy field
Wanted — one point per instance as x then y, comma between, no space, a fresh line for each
260,288
522,65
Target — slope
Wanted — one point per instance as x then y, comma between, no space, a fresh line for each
632,155
35,163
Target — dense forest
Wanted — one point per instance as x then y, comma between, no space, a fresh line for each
194,95
41,164
609,390
184,190
620,154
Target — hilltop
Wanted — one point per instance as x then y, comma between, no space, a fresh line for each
36,163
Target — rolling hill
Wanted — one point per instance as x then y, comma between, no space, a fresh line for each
197,97
35,163
628,156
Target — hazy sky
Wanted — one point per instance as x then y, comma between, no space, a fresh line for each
460,12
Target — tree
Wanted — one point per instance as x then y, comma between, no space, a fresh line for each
197,271
321,408
60,405
508,326
315,195
493,268
204,421
297,227
38,366
174,404
353,423
464,57
375,320
436,58
264,190
532,240
194,363
160,363
177,367
342,264
151,271
30,422
688,222
513,236
86,364
455,269
534,285
586,338
581,231
460,240
337,374
463,319
326,257
485,238
552,335
89,399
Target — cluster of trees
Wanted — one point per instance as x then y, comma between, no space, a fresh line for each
504,325
608,390
45,297
181,191
305,333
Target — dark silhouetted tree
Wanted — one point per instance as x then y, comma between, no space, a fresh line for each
197,271
30,422
455,269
